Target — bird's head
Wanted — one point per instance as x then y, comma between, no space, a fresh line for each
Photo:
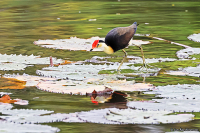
97,44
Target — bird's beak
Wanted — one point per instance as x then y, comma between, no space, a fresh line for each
91,50
137,24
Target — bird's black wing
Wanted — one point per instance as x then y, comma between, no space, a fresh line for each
118,38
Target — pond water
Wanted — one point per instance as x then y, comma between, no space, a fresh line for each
23,22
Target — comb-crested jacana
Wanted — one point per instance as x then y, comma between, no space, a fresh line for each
117,39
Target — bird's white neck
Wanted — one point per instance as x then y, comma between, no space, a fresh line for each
107,49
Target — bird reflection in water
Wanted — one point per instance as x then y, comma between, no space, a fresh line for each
107,97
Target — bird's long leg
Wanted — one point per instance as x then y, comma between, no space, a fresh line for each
144,63
118,70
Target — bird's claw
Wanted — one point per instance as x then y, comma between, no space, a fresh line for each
118,71
145,66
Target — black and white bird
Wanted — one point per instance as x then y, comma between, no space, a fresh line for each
117,39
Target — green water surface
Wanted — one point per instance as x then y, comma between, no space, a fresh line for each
24,21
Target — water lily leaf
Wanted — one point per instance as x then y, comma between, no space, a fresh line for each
27,80
75,43
24,128
76,72
12,66
20,62
185,91
73,117
5,106
185,53
96,116
31,116
194,37
25,112
175,105
24,59
80,87
130,116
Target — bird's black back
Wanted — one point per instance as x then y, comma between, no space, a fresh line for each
118,38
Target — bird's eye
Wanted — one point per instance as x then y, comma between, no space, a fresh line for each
97,45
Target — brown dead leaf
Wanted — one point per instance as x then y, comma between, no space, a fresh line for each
7,99
12,83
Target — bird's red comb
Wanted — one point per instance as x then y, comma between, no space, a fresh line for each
94,45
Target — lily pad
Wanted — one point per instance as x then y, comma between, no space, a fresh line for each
75,43
185,91
175,105
20,62
30,79
31,116
130,116
185,53
25,112
77,72
194,37
80,87
24,59
96,116
5,106
12,66
153,60
24,128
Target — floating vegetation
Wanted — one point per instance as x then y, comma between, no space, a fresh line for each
177,98
185,53
24,128
78,86
25,112
89,71
24,59
77,72
20,62
7,99
12,66
31,116
73,117
82,88
75,43
130,116
12,83
192,71
194,37
96,116
175,105
131,60
29,80
5,106
185,91
153,60
4,93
